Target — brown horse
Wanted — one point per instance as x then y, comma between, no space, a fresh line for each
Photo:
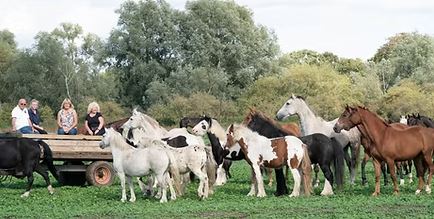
290,128
368,146
272,153
390,144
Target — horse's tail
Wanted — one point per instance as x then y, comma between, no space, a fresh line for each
338,162
48,159
211,167
307,171
174,172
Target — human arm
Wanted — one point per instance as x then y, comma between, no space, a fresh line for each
59,123
14,128
101,124
86,125
75,122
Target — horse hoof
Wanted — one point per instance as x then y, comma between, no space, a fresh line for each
132,199
123,200
261,195
401,182
417,192
428,189
25,195
395,193
163,200
293,195
375,194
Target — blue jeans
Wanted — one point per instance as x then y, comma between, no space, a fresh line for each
73,131
25,130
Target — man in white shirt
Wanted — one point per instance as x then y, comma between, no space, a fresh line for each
20,118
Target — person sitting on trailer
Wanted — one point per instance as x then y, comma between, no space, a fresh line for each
67,118
20,118
35,118
94,122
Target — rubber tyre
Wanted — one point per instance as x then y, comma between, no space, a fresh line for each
100,173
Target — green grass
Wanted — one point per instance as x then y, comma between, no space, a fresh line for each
229,201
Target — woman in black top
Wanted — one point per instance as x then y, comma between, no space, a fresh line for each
94,121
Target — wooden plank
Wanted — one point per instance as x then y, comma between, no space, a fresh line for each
82,156
64,137
71,143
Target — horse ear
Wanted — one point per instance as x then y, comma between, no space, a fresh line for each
135,112
293,96
231,129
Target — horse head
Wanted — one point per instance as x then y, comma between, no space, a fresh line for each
290,107
105,141
203,126
348,119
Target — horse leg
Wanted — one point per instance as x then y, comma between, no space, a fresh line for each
122,179
281,188
297,181
399,166
363,165
429,162
203,182
410,174
328,189
252,191
171,189
161,181
44,174
384,171
30,179
377,167
132,193
354,154
391,165
347,159
316,170
418,163
270,176
259,181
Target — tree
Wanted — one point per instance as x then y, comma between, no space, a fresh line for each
325,89
216,41
411,55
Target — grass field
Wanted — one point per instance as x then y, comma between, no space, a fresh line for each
229,201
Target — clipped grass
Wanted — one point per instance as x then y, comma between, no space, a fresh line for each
228,201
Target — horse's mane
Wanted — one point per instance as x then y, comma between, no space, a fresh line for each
300,97
375,114
257,114
119,141
241,129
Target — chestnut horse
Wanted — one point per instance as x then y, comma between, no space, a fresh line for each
391,144
272,153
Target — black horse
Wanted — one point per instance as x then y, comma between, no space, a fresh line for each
190,122
424,121
20,157
322,150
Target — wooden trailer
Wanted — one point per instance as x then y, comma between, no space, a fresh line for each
79,159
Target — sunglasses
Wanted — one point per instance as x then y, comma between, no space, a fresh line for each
23,104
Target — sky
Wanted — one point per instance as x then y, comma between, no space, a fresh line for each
347,28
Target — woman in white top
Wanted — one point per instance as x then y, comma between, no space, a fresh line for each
67,119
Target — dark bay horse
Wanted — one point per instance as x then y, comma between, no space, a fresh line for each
391,144
20,157
423,121
322,150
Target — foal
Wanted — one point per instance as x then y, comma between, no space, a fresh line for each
272,153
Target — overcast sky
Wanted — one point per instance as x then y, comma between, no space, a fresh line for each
345,27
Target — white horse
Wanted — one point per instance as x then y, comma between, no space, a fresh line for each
310,124
189,150
129,162
272,153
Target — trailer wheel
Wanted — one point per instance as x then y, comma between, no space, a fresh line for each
100,173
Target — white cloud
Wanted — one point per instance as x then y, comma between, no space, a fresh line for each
346,28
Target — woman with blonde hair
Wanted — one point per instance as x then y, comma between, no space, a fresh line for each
94,122
67,118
